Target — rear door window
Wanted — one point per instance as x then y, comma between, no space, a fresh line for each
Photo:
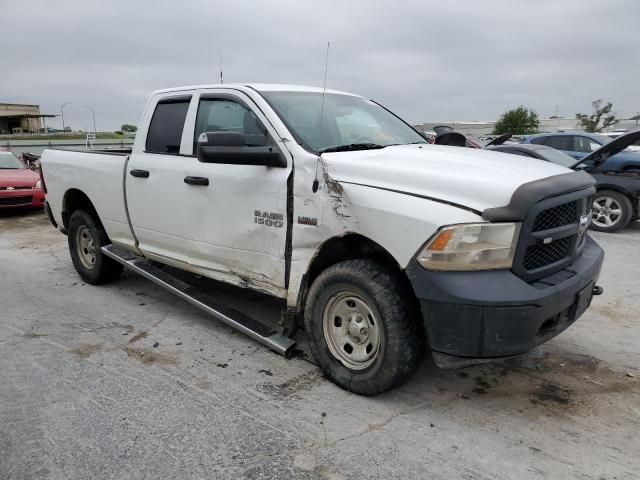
165,129
581,144
560,142
593,145
540,140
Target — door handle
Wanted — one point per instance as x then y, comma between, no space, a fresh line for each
201,181
139,173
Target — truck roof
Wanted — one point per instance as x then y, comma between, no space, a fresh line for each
261,87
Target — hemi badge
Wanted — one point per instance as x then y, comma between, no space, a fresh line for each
547,240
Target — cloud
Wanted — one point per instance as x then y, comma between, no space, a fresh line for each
426,61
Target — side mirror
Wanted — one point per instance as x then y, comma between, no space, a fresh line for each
230,148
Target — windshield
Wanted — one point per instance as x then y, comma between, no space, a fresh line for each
557,157
8,160
346,120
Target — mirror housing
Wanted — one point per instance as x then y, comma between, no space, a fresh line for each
230,148
451,138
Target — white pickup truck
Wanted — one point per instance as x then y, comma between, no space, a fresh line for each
382,244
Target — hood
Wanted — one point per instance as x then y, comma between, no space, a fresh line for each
19,177
476,179
612,148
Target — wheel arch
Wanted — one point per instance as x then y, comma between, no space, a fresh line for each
351,246
630,167
75,199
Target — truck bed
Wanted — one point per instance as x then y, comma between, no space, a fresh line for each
97,174
121,151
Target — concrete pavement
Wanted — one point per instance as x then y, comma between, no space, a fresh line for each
84,393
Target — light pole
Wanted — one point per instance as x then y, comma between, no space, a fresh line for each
64,130
93,112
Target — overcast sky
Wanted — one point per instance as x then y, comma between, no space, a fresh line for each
427,61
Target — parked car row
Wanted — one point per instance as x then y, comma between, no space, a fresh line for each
19,185
617,199
614,162
580,144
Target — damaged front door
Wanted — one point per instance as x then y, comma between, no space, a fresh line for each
237,222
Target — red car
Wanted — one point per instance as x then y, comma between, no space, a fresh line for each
19,186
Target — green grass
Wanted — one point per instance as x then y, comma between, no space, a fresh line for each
70,136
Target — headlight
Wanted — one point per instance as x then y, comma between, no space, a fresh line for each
38,184
471,246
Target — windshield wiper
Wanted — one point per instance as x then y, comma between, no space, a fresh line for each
352,147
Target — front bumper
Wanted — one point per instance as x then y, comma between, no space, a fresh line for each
494,313
22,198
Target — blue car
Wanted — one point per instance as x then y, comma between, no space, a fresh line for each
581,144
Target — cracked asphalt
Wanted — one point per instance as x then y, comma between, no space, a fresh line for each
127,382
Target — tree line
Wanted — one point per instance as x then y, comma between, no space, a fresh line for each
524,121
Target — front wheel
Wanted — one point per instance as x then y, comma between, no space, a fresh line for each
86,236
611,211
364,334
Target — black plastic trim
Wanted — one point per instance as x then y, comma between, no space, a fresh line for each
47,211
198,181
139,173
529,238
494,313
530,193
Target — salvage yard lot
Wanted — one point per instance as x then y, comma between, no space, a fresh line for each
125,381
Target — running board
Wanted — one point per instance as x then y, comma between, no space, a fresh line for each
233,318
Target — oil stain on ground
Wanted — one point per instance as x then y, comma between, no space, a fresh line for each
85,351
139,336
551,393
297,384
150,357
553,382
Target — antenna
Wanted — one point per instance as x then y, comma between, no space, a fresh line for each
220,61
315,185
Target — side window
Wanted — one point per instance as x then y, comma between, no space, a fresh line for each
221,115
165,129
581,144
593,146
561,142
540,140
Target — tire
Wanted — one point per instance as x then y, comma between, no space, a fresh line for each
389,349
611,211
85,237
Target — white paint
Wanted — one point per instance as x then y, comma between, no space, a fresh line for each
211,230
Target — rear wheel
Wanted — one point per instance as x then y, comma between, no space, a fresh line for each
86,237
364,335
611,211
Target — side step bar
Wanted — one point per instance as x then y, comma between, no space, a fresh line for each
233,318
